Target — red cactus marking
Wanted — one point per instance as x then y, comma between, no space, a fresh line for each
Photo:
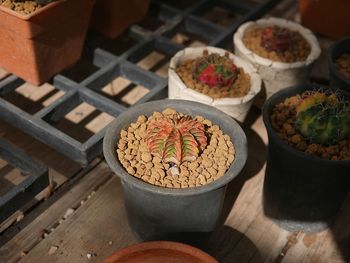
276,39
215,70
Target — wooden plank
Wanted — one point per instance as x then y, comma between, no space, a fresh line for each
98,228
46,222
332,245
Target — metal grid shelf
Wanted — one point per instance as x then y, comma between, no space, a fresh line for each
36,179
110,66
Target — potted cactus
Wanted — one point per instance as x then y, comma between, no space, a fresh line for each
282,51
215,77
48,38
339,64
174,159
307,173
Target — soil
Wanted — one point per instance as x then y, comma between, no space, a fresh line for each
283,119
24,7
239,88
210,165
343,65
299,50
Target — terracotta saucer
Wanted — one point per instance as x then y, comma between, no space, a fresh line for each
160,252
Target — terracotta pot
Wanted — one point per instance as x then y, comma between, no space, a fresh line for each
329,18
238,108
277,75
160,252
112,17
39,45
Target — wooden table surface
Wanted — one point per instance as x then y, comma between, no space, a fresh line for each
81,217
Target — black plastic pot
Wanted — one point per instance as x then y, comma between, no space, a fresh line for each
335,51
163,213
301,192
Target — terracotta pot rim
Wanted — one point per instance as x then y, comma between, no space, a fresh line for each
280,96
175,246
315,51
331,58
29,16
234,130
255,80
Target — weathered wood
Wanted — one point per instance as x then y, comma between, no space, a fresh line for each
97,228
47,222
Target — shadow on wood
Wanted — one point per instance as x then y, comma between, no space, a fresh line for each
256,159
228,245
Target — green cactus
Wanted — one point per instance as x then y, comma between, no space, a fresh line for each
323,119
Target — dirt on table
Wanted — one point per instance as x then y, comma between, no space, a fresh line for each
299,49
24,7
211,164
343,65
283,120
239,88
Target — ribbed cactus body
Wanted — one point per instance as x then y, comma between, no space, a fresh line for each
276,39
176,139
215,70
323,119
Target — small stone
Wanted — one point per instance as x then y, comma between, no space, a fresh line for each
123,133
135,125
212,171
193,165
169,111
146,157
110,243
130,170
68,213
202,179
149,165
141,119
53,249
296,138
207,122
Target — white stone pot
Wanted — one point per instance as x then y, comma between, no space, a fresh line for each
236,107
278,75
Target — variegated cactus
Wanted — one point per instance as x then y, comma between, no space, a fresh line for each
215,70
175,138
323,118
276,39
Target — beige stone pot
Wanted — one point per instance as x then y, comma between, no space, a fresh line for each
236,107
278,75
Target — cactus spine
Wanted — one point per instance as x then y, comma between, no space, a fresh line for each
322,118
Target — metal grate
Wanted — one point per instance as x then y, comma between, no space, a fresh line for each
190,19
35,179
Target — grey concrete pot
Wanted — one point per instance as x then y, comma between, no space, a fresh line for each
162,213
336,78
301,192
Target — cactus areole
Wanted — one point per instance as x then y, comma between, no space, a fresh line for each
323,118
215,70
276,39
176,139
